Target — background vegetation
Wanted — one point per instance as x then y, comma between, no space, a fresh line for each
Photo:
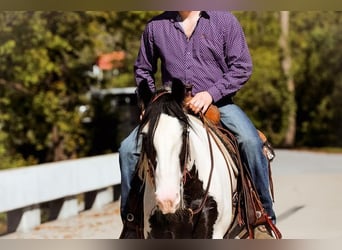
46,60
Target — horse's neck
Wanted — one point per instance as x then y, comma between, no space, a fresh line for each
198,137
202,151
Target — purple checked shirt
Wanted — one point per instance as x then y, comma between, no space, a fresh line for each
215,58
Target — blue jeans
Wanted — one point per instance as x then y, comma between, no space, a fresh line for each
251,150
250,147
129,153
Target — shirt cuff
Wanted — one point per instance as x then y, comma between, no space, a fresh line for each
215,93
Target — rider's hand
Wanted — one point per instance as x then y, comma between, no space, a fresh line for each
200,102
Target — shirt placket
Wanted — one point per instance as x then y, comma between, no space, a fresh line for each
188,62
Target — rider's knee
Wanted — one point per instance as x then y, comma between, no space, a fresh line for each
250,143
127,147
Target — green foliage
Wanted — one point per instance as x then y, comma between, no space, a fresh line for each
317,42
265,97
43,60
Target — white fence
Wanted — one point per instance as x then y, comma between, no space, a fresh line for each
58,184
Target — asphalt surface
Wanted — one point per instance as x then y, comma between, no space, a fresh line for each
307,203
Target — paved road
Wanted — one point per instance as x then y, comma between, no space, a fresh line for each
307,202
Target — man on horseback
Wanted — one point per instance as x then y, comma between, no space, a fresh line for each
207,50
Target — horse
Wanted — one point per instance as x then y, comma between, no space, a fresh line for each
189,177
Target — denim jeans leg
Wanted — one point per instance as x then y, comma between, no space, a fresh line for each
250,146
129,152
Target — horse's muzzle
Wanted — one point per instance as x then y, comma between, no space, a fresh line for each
168,204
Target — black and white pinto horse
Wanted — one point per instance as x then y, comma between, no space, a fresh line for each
189,177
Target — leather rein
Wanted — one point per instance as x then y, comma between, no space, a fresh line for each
206,193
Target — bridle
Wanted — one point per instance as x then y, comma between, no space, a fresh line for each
184,160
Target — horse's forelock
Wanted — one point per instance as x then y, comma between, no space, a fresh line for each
165,103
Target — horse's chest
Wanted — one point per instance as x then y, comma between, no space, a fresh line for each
184,223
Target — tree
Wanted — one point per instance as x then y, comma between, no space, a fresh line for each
316,42
295,89
264,97
286,63
44,60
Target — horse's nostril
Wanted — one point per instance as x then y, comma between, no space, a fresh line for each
167,205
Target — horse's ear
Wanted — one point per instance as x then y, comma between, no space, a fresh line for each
178,90
144,93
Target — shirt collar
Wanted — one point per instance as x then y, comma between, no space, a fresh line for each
175,17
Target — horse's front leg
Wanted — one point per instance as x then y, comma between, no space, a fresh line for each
217,235
221,225
149,206
218,231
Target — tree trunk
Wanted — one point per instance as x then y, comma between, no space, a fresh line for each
286,62
58,146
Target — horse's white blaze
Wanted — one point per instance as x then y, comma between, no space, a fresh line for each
168,176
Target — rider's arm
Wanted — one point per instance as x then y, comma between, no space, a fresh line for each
145,65
238,61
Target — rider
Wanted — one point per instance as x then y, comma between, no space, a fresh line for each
208,50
